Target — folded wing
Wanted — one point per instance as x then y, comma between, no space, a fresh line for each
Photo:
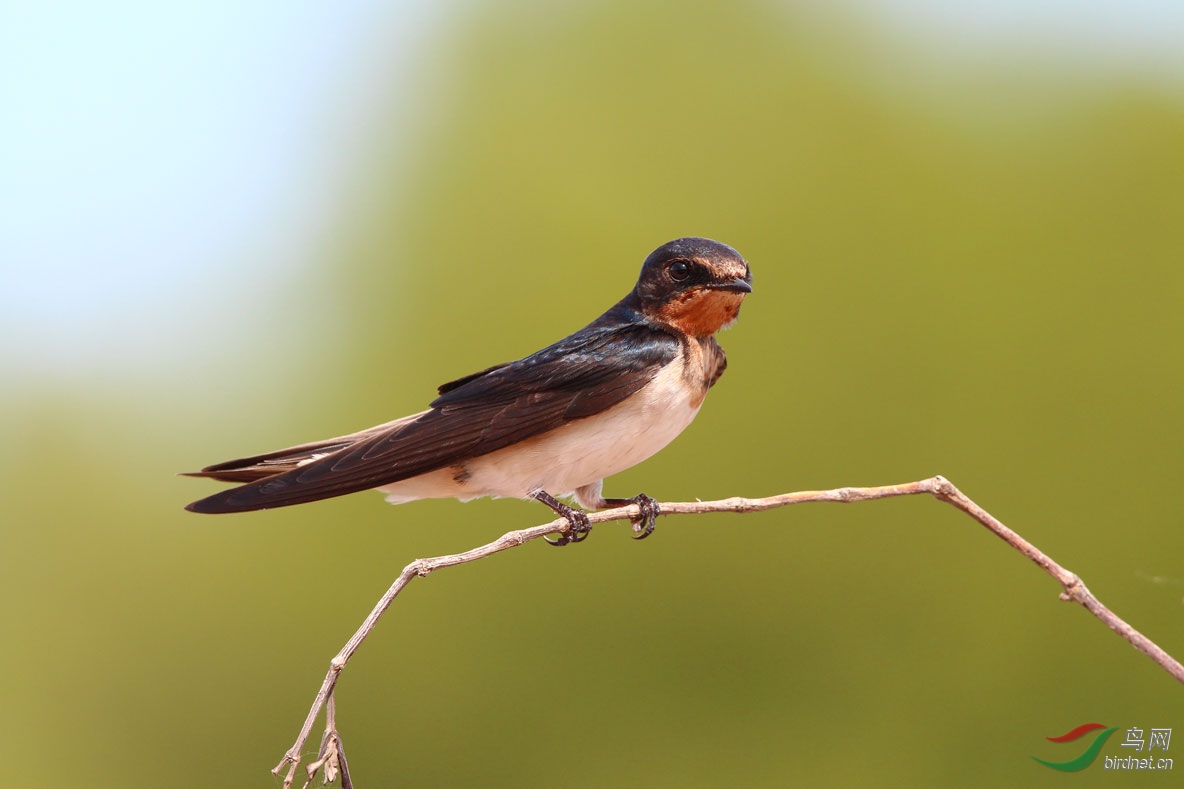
582,375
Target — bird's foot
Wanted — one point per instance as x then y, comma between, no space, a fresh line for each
650,510
578,526
643,524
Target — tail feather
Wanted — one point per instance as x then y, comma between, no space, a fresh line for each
270,464
256,467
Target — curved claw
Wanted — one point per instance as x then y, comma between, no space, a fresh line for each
650,510
578,524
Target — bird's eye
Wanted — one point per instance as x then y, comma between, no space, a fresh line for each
679,270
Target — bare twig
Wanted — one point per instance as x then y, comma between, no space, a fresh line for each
331,756
1072,586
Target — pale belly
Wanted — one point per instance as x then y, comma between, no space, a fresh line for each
570,457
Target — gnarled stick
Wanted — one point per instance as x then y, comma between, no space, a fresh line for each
1072,586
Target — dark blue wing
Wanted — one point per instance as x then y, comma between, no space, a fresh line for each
581,375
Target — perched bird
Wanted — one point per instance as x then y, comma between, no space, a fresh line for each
554,423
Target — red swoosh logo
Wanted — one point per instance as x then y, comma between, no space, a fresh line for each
1084,728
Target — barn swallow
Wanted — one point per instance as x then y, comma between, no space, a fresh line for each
552,424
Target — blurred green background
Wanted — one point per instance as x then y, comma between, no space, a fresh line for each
967,261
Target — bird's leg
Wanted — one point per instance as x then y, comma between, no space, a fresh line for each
643,526
577,520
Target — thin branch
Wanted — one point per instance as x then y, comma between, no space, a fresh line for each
331,756
940,488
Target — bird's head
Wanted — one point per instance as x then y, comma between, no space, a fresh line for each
695,285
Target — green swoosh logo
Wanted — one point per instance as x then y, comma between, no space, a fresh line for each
1085,759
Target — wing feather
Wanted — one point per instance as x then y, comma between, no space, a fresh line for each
582,375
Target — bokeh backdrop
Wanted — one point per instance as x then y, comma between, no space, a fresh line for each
968,251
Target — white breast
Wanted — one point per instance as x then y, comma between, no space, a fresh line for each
577,454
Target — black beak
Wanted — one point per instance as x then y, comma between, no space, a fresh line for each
738,285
